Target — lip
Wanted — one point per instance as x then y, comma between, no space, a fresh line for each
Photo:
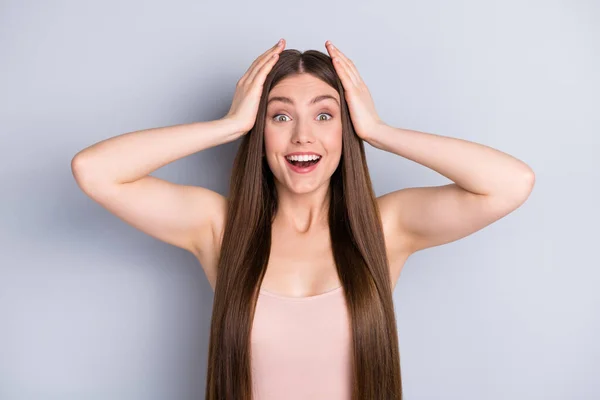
302,153
300,170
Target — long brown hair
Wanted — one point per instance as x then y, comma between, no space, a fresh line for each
357,244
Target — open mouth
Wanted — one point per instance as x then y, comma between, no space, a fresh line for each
303,163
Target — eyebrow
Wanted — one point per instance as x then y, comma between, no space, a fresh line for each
287,100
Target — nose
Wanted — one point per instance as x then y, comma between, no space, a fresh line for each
302,134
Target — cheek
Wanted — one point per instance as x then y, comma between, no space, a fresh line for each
333,142
273,142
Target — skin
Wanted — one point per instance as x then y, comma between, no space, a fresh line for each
488,184
303,199
301,221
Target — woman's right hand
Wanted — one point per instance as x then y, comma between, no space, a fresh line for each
249,88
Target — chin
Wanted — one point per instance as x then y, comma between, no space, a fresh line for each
306,187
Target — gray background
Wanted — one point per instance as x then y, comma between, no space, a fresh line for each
90,308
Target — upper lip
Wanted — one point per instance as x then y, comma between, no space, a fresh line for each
303,153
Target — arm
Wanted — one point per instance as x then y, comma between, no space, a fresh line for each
115,173
488,185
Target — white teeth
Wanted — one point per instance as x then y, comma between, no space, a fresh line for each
303,157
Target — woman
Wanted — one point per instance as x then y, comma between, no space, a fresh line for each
307,257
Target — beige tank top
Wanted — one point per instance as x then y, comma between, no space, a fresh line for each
301,347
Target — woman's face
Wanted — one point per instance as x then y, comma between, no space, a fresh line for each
294,124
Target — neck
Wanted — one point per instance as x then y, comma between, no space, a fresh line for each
303,212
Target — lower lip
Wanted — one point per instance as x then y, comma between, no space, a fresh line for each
305,170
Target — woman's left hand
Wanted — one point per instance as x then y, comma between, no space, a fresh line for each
361,106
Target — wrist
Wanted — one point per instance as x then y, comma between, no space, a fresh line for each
233,126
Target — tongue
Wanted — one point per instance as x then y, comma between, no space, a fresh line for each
304,164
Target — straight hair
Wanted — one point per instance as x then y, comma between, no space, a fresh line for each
357,243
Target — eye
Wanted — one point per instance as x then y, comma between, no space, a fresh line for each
277,115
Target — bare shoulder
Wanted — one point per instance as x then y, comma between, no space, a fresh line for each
207,247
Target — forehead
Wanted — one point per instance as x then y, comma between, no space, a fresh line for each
302,88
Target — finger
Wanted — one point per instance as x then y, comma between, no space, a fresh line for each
353,72
257,64
338,53
350,67
265,69
264,55
252,67
345,73
266,61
